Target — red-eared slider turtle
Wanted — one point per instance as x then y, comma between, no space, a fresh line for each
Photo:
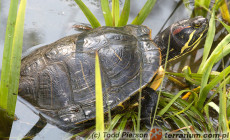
58,79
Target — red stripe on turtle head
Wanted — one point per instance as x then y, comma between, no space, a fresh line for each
176,31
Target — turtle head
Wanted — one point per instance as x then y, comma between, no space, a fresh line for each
184,35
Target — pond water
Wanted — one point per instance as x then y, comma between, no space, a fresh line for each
48,21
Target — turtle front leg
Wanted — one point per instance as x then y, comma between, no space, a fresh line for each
36,129
148,105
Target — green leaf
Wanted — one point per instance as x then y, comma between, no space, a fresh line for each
143,14
194,112
187,72
183,110
207,87
208,41
139,100
223,120
89,15
107,13
206,110
199,4
194,76
225,51
81,133
124,14
178,122
15,63
99,99
123,123
187,4
133,116
115,12
228,108
204,81
225,25
5,75
162,111
214,106
139,105
185,122
114,122
217,51
224,11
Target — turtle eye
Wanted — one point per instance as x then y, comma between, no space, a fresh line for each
196,24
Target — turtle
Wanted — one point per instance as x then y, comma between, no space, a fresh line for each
59,78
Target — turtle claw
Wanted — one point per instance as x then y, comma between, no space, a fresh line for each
71,113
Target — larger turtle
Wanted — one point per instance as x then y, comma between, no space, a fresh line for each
59,78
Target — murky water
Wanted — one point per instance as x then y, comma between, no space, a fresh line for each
47,21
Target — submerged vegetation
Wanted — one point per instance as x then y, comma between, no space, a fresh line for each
188,116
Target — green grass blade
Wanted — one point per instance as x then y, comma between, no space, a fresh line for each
228,108
211,85
159,94
185,103
208,41
227,27
187,4
124,14
204,81
115,12
107,13
7,53
218,4
224,11
89,15
123,123
199,4
99,99
15,63
178,106
214,106
133,117
187,72
177,122
194,76
206,110
185,122
139,101
182,111
81,133
223,121
227,80
225,51
114,122
162,111
220,51
142,15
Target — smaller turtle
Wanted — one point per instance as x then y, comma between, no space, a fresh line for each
58,79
